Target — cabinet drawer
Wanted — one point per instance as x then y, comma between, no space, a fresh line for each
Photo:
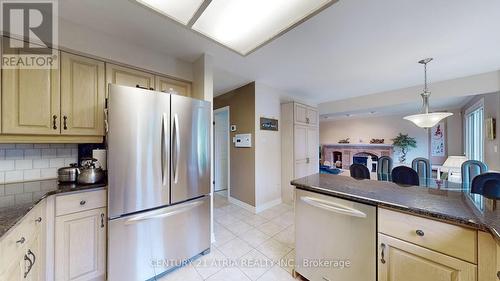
82,201
442,237
26,231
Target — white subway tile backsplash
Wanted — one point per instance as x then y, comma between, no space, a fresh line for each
63,152
7,165
13,176
23,198
13,154
40,163
41,145
49,173
56,163
13,188
7,201
49,153
32,186
24,145
29,175
32,154
31,162
24,164
2,190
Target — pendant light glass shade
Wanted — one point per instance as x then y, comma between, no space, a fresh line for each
426,119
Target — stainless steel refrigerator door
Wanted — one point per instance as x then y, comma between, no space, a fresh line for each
138,150
190,131
149,243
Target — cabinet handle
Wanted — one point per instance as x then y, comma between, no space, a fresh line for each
30,253
308,160
26,258
102,220
65,118
420,233
307,120
83,202
382,253
498,275
54,125
39,219
21,241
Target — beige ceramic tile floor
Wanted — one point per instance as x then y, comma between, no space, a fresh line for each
248,246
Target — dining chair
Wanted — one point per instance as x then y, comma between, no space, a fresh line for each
487,184
384,167
359,171
422,166
470,169
405,175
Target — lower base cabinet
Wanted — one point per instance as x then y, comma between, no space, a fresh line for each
80,246
402,261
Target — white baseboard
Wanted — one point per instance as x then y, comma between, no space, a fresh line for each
242,204
267,205
256,209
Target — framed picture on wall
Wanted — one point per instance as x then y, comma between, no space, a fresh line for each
437,143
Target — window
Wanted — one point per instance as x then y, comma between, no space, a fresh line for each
474,132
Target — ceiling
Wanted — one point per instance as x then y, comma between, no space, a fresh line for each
352,48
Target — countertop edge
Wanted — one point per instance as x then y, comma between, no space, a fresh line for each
421,212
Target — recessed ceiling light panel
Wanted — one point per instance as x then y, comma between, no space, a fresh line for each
179,10
244,25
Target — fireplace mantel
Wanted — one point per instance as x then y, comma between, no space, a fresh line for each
348,150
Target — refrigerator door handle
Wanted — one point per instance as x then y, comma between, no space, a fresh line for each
332,207
176,149
164,213
164,150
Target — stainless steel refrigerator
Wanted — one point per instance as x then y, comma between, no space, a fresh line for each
158,181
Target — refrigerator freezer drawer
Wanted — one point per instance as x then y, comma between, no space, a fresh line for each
144,245
335,238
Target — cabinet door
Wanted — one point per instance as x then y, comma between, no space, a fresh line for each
30,101
300,113
124,76
80,245
164,84
312,116
82,95
313,150
399,260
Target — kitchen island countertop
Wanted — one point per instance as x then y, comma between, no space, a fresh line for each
447,205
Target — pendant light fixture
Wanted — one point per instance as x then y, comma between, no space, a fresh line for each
426,119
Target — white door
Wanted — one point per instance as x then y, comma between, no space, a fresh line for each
313,150
221,119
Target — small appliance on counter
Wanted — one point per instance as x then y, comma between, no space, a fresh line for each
68,174
89,172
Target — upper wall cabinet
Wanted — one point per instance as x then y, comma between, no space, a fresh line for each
164,84
305,115
82,95
30,101
120,75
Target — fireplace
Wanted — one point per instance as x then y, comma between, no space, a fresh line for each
355,153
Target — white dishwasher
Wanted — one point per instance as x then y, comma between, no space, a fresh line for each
335,239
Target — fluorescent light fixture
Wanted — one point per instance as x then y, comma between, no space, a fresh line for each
245,25
179,10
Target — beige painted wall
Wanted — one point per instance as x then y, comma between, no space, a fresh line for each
491,110
241,104
387,127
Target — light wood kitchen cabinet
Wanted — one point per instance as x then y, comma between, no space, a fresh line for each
125,76
165,84
80,237
82,95
305,115
302,139
30,101
400,260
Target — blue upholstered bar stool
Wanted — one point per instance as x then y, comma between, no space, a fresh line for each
422,166
471,169
359,171
384,168
487,184
404,175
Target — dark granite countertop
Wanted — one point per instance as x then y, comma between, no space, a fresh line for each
17,199
454,206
